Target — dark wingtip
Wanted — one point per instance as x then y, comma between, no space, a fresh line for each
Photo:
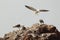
25,5
47,10
44,10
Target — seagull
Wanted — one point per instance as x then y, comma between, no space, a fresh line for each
23,27
17,26
36,10
41,21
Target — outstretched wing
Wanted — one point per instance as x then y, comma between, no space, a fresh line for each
43,10
31,8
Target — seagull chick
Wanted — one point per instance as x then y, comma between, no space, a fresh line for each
35,10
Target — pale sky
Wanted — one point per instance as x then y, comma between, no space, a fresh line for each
13,12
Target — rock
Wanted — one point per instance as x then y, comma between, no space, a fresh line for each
1,38
28,37
36,32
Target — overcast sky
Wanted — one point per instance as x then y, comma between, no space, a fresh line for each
13,12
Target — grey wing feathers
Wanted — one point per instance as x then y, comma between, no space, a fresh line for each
31,8
43,10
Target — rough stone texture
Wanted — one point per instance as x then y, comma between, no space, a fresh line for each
1,38
36,32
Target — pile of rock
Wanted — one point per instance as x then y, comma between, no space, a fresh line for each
36,32
42,32
1,38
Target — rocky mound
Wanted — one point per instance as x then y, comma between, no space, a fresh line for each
36,32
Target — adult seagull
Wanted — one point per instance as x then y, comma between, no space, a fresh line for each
41,21
36,10
17,26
